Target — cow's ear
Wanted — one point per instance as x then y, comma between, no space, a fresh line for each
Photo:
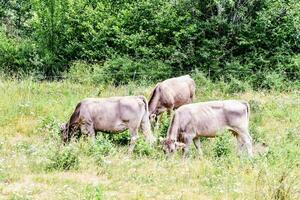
179,145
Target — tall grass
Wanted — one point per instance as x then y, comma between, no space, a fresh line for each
35,165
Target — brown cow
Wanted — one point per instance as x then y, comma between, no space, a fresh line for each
171,94
114,114
191,121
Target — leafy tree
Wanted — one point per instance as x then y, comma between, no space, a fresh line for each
224,39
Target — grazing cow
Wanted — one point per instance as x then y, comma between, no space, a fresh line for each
171,94
191,121
114,114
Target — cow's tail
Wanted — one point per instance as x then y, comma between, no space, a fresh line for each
145,103
145,123
248,109
174,127
192,90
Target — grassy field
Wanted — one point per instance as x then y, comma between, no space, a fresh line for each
34,164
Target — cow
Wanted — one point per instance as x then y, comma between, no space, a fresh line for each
191,121
113,115
171,94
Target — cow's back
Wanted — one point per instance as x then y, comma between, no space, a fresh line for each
179,90
132,108
208,117
111,114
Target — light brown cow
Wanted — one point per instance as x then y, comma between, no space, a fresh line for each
171,94
191,121
114,114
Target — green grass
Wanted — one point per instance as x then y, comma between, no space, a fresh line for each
34,164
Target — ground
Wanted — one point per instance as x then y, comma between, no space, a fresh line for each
35,165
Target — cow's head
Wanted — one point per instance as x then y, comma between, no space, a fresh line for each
170,146
64,132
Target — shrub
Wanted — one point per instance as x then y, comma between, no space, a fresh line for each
142,148
122,70
257,134
120,138
103,147
18,56
274,81
163,126
256,117
204,86
237,86
80,72
63,158
222,146
50,125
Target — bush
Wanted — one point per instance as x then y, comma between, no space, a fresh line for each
18,57
273,80
204,86
50,125
138,39
103,147
237,86
163,126
64,158
222,146
80,72
122,70
120,138
257,134
142,148
255,121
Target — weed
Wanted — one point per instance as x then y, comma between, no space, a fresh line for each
163,126
237,86
101,148
222,146
63,158
142,148
120,138
93,192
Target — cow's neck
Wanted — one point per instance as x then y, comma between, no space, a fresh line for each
173,130
152,108
172,138
153,104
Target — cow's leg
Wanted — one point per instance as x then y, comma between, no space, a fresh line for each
92,133
146,129
133,134
157,122
198,146
187,140
88,129
244,140
170,113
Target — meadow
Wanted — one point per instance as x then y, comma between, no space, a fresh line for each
35,165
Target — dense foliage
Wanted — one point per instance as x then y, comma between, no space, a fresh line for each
253,40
